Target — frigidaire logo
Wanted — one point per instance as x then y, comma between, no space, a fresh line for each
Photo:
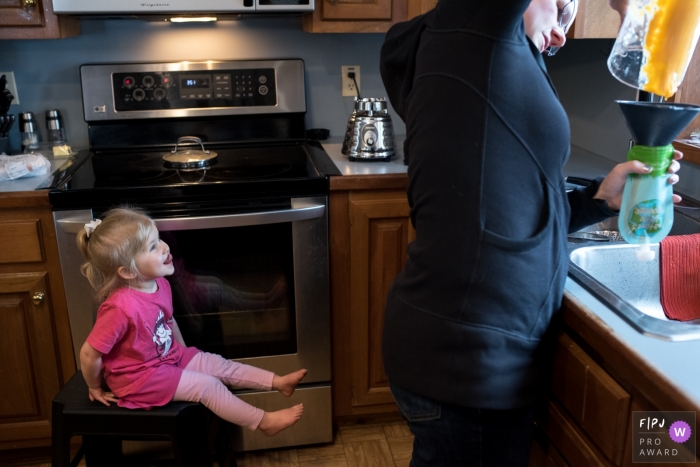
151,5
663,437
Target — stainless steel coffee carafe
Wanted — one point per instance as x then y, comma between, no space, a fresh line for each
370,133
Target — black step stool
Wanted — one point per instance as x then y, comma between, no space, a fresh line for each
103,428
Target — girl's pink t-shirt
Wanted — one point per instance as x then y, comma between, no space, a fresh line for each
142,361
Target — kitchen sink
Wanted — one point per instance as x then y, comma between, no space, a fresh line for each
631,288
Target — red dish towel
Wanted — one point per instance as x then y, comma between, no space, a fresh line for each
680,276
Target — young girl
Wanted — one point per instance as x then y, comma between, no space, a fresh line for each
137,343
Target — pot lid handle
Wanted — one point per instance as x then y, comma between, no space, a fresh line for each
191,139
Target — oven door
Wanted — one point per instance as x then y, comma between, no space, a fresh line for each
252,287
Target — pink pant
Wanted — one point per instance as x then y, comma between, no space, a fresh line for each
204,379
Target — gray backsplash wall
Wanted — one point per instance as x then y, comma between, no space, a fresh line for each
47,70
47,73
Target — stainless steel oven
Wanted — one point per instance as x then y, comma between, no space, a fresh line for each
248,231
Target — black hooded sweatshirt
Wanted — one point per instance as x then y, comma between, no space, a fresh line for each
486,143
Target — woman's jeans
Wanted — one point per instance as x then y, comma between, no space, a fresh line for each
449,435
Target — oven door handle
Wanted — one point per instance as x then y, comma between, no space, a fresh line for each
301,210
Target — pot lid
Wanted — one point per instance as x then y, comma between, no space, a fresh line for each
189,158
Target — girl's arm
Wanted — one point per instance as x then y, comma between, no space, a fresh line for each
91,365
177,334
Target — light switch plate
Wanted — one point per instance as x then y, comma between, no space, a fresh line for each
11,86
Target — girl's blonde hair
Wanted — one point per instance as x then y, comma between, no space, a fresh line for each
115,243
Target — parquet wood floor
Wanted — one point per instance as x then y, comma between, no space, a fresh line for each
378,444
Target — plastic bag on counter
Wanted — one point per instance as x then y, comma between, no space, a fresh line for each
23,166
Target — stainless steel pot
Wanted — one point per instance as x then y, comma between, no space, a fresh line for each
370,132
189,158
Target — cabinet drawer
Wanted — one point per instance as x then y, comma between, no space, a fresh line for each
20,241
592,397
543,453
572,445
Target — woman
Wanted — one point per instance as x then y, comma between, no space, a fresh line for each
466,321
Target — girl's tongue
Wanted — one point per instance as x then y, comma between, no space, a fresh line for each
169,260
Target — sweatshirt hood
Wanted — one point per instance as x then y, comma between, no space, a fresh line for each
397,61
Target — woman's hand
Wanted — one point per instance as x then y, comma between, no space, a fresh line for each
98,394
612,185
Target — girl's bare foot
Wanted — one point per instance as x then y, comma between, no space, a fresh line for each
288,383
274,422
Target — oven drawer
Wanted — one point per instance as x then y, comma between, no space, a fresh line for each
314,427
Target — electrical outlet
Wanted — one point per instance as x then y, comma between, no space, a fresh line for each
11,86
348,84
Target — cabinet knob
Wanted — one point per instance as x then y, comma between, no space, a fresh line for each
29,4
38,297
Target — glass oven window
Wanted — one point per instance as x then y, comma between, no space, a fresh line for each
233,289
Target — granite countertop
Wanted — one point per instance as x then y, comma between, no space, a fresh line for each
581,163
37,183
361,167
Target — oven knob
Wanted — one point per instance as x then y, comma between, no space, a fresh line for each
129,82
148,81
262,90
262,79
139,94
159,93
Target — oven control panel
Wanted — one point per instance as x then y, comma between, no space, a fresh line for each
189,89
156,90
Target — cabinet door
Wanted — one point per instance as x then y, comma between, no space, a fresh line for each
380,231
369,232
595,20
418,7
21,13
592,397
355,15
34,19
29,359
355,9
543,453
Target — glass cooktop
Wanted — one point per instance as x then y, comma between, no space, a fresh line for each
148,169
112,177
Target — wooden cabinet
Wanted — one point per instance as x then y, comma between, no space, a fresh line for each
689,93
585,419
595,20
587,412
34,19
36,354
363,15
369,232
595,401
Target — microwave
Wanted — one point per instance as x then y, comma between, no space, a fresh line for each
186,7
